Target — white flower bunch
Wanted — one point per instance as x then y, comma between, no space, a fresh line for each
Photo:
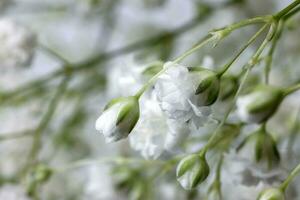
185,94
154,132
17,43
179,102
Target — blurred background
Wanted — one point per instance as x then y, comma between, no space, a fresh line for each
81,53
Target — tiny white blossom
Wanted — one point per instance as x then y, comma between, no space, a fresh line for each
154,133
176,91
17,44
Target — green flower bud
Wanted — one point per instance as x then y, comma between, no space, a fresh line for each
259,105
271,194
208,86
191,171
118,118
228,86
265,149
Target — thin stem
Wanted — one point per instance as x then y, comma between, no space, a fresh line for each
44,123
246,22
219,168
291,89
287,9
291,176
252,39
149,83
269,57
16,135
203,42
224,32
215,134
116,160
292,13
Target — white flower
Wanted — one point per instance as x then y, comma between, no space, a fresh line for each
184,94
124,78
244,181
17,44
260,104
118,118
97,190
240,170
154,133
13,192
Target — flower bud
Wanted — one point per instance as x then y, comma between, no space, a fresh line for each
271,194
118,118
208,86
265,149
228,87
259,105
191,171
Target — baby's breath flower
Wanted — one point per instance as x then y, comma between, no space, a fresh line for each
185,93
154,133
17,44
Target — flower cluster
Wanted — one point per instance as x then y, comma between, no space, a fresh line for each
178,104
177,100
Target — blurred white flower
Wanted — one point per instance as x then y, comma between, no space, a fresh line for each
118,118
176,90
125,78
154,133
13,192
241,171
17,44
99,185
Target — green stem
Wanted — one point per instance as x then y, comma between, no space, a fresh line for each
246,22
252,39
269,57
15,135
291,89
215,136
203,42
292,13
224,32
287,9
37,135
291,176
116,160
149,83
